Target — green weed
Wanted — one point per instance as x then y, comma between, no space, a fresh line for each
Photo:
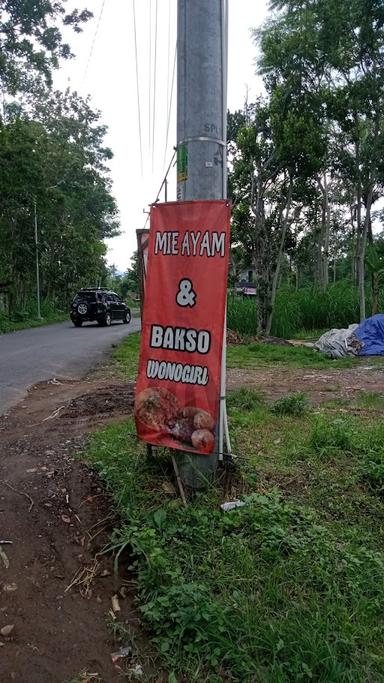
292,404
268,592
263,355
329,436
371,400
372,469
126,357
244,399
27,318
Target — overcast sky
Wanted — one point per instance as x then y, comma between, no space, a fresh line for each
105,68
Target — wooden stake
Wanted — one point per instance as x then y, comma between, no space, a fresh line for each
179,482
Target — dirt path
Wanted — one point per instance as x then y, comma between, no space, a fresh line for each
50,508
319,385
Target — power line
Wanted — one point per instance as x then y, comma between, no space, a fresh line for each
150,77
162,184
169,52
94,39
170,103
165,176
137,85
154,88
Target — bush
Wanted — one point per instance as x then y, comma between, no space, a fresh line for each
329,436
372,469
292,404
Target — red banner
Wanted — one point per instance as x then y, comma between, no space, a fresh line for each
178,387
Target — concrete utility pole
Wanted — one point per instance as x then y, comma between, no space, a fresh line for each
201,133
37,261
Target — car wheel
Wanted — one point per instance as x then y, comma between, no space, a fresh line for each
127,317
107,320
77,323
82,309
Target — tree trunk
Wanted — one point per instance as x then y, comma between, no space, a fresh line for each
276,274
324,234
359,235
375,293
361,254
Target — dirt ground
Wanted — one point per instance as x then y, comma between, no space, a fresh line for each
57,516
320,386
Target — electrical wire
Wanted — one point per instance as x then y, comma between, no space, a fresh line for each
137,85
150,77
94,39
166,176
170,103
162,185
169,50
154,88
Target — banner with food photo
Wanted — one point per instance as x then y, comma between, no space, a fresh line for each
178,385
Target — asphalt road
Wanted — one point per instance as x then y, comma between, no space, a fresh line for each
61,350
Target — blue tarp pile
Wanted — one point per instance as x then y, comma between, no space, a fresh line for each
366,339
371,334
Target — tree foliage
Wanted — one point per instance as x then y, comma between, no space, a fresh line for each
321,125
53,161
31,40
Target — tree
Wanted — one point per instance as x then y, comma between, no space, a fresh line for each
375,265
53,154
334,52
279,146
31,40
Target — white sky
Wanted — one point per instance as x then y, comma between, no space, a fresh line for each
109,77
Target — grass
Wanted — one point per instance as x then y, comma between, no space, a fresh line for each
292,404
125,357
263,355
302,313
8,325
288,587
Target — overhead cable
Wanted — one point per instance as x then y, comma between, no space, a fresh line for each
169,55
94,39
162,184
154,88
170,103
137,85
150,78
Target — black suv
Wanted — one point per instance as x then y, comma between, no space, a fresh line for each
102,305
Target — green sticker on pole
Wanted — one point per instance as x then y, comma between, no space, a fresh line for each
182,163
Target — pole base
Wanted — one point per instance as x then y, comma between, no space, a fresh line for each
197,471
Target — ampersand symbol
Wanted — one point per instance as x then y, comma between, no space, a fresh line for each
186,296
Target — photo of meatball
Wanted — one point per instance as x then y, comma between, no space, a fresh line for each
182,430
157,408
201,419
203,440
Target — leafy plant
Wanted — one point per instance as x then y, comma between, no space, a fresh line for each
244,399
372,469
292,404
265,592
329,436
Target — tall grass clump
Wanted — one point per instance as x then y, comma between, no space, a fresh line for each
241,315
305,309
